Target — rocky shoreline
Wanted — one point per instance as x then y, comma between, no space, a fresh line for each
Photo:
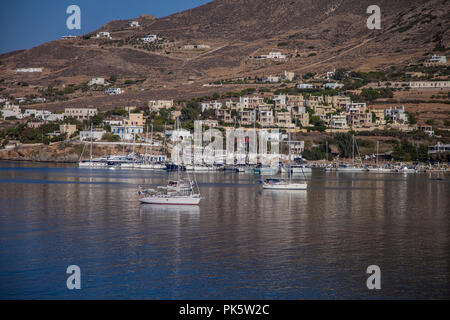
58,152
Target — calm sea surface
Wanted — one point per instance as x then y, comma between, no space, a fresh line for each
240,243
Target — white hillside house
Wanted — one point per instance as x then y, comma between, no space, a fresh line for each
134,24
28,70
97,81
276,55
150,38
11,110
112,91
104,34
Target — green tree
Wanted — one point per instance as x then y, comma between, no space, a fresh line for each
344,142
191,111
411,118
97,120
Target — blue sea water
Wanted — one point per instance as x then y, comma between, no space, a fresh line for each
240,243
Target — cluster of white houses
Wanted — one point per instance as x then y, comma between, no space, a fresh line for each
10,110
285,111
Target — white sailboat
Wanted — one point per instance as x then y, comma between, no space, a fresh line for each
276,184
146,165
91,163
171,199
352,168
378,169
177,192
285,184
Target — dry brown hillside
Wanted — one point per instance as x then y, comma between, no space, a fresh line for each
319,34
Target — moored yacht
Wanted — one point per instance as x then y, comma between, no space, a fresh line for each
297,169
351,168
284,185
170,199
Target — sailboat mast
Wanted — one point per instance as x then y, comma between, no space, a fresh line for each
151,143
165,150
146,144
378,145
289,147
134,140
353,150
90,149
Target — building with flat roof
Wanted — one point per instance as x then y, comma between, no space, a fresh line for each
435,60
439,148
80,113
156,105
429,84
70,129
134,119
127,132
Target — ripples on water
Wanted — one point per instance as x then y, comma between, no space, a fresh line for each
240,243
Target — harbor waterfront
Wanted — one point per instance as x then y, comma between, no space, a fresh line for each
240,242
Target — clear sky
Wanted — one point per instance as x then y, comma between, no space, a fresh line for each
28,23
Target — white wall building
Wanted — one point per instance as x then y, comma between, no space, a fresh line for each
276,55
28,70
113,122
354,107
52,117
80,113
439,148
112,91
280,100
251,102
273,79
104,34
150,38
156,105
127,132
97,81
289,76
304,86
429,84
333,85
338,122
396,114
96,135
11,110
211,105
134,24
435,59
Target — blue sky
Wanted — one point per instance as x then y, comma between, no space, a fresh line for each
28,23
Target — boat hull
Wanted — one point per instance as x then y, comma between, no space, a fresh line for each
92,164
380,170
266,171
291,186
351,170
171,200
151,166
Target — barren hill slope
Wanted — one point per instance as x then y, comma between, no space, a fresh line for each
317,34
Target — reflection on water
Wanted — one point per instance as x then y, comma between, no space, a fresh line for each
240,242
169,209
